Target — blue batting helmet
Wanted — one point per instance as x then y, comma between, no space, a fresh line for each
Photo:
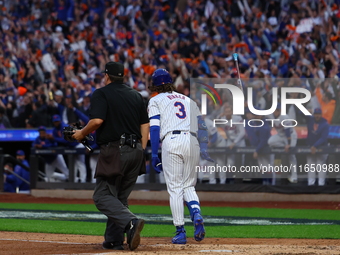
160,77
317,111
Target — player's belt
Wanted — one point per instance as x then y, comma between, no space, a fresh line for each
177,132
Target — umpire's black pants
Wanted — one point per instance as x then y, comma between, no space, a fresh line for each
111,195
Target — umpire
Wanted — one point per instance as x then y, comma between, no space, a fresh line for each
119,115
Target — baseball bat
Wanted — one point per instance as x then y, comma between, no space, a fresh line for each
239,82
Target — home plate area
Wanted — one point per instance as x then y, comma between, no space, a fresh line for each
15,243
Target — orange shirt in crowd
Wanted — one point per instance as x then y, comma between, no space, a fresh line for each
327,108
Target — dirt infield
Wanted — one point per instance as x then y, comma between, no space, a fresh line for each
25,198
37,244
14,243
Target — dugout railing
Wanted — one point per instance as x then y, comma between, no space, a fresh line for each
238,184
6,158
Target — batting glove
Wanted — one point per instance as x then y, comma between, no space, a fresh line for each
205,155
157,164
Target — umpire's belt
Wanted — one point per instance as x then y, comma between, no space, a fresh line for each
130,140
177,132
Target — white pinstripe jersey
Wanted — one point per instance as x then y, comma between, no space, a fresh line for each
177,112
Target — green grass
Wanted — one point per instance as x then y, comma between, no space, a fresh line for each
273,213
213,211
93,228
51,226
246,231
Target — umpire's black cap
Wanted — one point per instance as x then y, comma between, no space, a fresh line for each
114,69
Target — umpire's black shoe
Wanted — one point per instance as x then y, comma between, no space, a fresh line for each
112,246
133,230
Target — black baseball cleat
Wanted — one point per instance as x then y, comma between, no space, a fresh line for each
133,233
112,246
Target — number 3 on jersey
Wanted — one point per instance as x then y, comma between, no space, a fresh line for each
182,113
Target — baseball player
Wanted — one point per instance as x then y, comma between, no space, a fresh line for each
248,158
10,180
52,161
235,134
285,137
93,158
260,135
20,156
318,129
57,135
176,121
215,140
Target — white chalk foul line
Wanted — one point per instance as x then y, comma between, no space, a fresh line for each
96,216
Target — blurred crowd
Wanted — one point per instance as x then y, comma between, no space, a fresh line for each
52,51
